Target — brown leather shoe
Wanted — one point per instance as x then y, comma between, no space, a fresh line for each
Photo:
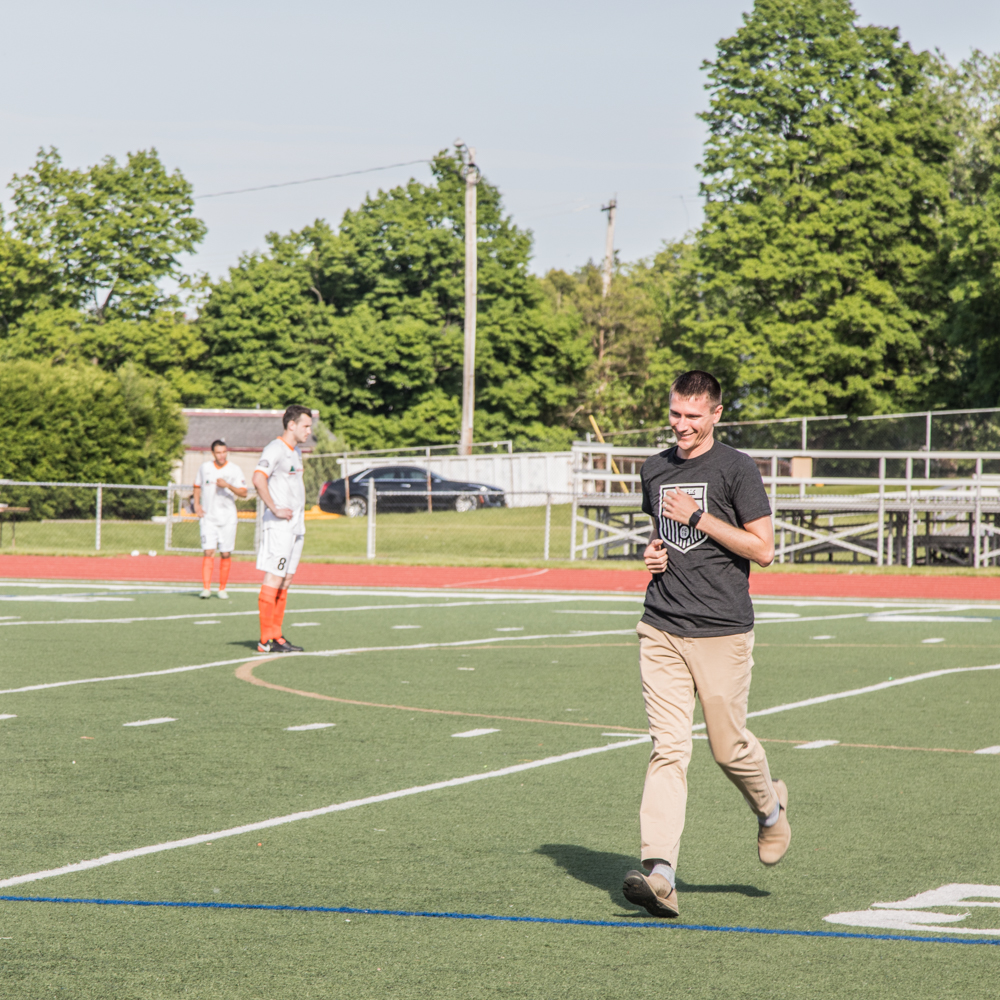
653,892
773,841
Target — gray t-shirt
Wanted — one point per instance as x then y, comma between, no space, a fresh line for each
705,590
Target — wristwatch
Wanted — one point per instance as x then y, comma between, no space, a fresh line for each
695,518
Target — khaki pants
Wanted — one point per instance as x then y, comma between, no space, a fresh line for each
673,670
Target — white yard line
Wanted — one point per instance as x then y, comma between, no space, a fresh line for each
267,824
324,652
290,611
898,682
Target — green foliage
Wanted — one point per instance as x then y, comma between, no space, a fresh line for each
971,94
366,323
78,423
163,343
111,232
818,283
630,335
26,281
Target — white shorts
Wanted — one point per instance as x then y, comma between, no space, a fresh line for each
280,548
218,536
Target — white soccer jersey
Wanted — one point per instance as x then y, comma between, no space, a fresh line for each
283,467
218,503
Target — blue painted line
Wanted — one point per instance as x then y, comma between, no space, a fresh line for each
500,918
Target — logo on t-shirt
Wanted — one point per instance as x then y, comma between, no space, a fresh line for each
681,536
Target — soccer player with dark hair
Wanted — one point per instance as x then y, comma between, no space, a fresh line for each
711,518
279,484
216,488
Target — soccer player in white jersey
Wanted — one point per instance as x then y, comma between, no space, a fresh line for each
216,488
279,484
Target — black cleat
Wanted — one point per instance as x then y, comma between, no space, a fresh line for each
282,645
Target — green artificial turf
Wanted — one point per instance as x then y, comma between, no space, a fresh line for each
871,824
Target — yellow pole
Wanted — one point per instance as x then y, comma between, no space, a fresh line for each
600,438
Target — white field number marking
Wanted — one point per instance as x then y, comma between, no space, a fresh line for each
267,824
912,914
927,642
399,627
150,722
207,623
474,732
14,717
303,624
817,744
309,725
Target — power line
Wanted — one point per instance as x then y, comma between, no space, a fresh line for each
311,180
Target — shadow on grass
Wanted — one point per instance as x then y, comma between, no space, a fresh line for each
605,870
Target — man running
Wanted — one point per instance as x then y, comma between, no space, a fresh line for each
279,484
216,488
710,508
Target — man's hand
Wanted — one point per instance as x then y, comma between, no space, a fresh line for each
678,506
285,513
222,484
198,511
655,556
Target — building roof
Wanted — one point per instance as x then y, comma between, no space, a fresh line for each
242,430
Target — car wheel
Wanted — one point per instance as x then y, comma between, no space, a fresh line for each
465,502
357,507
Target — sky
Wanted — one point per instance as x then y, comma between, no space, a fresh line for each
567,103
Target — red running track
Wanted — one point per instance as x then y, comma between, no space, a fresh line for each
179,569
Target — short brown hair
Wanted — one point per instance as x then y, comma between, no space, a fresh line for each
294,413
698,383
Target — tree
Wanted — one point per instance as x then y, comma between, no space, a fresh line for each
110,233
77,423
366,323
627,382
818,283
971,94
163,344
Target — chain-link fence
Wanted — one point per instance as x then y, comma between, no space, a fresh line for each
111,518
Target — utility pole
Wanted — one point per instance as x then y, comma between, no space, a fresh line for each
609,260
471,173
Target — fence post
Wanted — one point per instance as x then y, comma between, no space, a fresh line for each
168,527
548,523
909,512
805,433
881,510
979,512
572,528
97,530
927,445
371,517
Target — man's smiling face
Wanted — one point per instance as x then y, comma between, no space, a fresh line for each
692,419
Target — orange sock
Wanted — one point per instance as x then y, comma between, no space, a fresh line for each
265,604
224,565
279,611
206,572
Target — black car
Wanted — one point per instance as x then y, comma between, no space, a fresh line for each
405,487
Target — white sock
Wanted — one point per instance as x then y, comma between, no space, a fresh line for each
773,818
666,871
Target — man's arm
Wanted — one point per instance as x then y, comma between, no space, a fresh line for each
260,485
240,491
198,512
755,540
